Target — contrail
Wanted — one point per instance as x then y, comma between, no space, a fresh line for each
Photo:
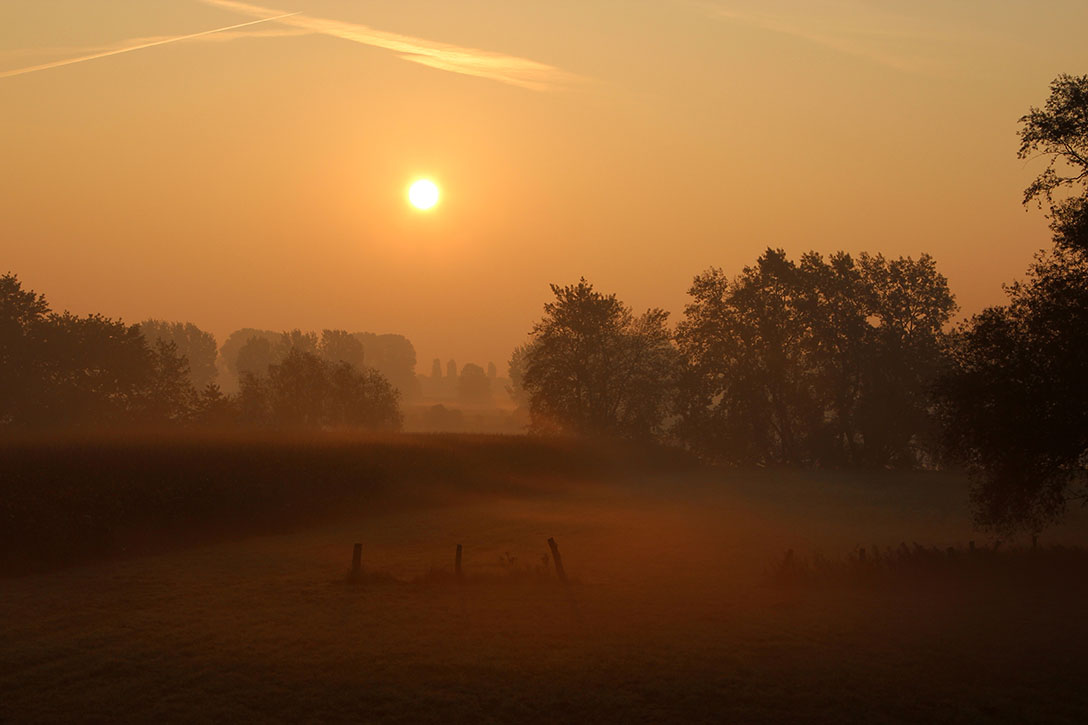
141,46
499,67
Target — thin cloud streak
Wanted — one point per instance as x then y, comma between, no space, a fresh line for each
854,29
136,44
500,67
220,37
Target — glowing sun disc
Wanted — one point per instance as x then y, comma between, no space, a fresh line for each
423,194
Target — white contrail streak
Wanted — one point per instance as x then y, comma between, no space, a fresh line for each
499,67
128,49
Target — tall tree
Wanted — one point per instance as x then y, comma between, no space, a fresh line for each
473,385
306,391
394,357
595,368
515,371
195,345
230,351
1015,398
255,356
296,340
23,316
823,362
60,370
338,346
1059,131
170,396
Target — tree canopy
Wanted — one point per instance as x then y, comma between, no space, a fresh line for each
825,361
1059,131
1015,396
594,368
59,370
197,347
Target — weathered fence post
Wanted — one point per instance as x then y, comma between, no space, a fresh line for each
457,563
357,563
558,560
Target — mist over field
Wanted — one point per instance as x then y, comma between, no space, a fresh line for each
675,607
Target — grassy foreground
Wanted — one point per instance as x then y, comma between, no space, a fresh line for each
674,614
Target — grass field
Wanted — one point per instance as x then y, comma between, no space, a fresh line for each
674,612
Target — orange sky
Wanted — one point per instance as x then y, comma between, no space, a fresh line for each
256,177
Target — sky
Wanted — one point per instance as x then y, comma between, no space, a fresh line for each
257,176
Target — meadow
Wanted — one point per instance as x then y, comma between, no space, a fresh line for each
205,579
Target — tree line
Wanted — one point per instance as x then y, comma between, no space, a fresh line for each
62,371
852,361
825,361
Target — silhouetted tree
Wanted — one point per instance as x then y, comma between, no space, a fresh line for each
306,391
339,346
296,340
1015,395
1015,399
362,398
195,345
593,367
299,388
169,396
230,351
60,370
394,357
1059,131
439,418
473,385
824,362
745,389
255,357
22,319
213,409
515,370
904,352
254,401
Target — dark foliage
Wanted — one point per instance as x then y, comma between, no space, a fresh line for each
305,390
824,362
195,345
1059,131
594,368
1015,398
63,371
473,385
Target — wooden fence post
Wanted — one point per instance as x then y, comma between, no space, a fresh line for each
457,563
558,560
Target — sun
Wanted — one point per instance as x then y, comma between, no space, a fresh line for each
423,194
